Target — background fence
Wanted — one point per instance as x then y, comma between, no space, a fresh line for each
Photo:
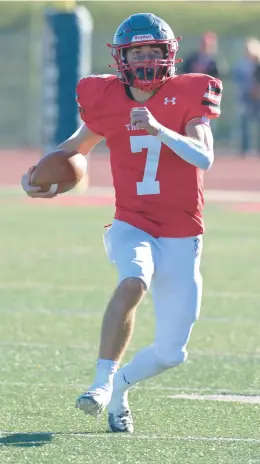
21,47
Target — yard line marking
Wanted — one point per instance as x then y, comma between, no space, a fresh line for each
231,320
223,354
224,294
108,436
159,388
109,192
20,285
91,348
241,196
86,314
220,397
180,438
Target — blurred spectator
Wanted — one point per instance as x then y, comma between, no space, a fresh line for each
203,60
247,78
207,60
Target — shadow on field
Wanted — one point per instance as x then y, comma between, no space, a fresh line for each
26,439
37,438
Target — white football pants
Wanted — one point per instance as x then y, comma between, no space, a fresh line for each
171,268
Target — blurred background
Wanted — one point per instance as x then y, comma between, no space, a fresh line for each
219,38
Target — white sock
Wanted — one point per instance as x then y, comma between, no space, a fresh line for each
144,365
118,402
105,372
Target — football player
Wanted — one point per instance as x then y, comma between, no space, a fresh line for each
156,124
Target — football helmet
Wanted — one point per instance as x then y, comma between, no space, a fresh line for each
138,30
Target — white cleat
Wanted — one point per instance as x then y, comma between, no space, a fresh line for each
122,422
93,402
119,415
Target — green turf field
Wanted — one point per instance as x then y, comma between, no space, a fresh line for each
54,283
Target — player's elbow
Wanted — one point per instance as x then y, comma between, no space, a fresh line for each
207,161
205,165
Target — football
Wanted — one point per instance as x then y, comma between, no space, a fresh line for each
59,171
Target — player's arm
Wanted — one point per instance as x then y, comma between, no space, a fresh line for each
196,147
83,140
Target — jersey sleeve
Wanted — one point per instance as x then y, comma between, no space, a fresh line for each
205,98
87,100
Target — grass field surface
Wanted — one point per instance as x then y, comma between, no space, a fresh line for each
55,281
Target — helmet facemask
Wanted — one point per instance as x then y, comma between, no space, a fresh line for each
146,75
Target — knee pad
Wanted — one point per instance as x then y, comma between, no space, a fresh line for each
170,356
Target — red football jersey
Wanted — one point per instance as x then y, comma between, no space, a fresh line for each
155,189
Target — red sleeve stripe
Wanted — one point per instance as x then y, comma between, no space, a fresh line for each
214,89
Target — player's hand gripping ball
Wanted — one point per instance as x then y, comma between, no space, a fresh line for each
55,173
142,118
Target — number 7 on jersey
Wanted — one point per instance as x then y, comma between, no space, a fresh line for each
148,186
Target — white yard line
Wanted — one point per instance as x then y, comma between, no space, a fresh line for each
237,196
108,192
88,313
79,385
245,399
90,348
210,194
108,436
229,196
20,285
27,285
160,388
174,437
221,294
231,320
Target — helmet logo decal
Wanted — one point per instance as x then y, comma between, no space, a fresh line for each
141,38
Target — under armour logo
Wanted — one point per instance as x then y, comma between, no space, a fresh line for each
170,100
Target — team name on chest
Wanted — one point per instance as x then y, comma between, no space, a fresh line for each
130,127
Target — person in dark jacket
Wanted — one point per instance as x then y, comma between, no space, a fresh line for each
247,78
203,61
